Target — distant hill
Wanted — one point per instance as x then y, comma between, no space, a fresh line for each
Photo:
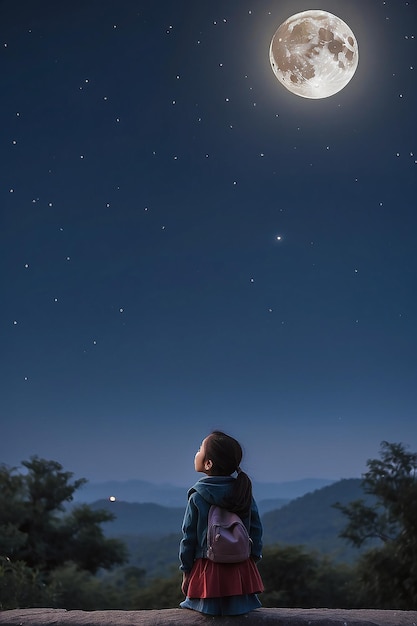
288,490
152,532
174,496
312,521
271,505
133,518
133,491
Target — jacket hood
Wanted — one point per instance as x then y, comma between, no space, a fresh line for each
212,488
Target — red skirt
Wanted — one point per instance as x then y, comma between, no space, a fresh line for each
217,580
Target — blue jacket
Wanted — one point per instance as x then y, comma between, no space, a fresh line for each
207,491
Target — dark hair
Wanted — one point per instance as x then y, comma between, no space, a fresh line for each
225,453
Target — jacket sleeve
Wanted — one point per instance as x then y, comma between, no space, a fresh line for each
189,541
255,532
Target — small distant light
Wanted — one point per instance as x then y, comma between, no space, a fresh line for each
112,498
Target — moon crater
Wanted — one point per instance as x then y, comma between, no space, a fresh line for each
314,54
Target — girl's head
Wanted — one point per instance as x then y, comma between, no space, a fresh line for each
219,455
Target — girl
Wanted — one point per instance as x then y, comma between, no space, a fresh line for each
209,587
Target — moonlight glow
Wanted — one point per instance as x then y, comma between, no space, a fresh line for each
314,54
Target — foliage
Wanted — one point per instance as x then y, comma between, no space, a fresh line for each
35,530
124,583
389,573
12,508
72,588
161,593
20,586
294,577
87,546
155,554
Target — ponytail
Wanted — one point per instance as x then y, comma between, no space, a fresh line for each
225,453
240,498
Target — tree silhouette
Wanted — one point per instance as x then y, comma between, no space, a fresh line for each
389,572
36,529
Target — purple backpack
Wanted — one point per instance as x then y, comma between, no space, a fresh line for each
228,540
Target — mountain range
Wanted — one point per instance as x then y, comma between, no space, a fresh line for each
314,522
172,496
152,531
134,518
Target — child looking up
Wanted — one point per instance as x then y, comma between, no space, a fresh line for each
210,587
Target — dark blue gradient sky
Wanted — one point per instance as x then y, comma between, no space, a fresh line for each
150,161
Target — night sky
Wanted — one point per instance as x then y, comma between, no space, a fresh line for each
186,245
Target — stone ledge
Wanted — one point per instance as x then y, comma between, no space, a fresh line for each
184,617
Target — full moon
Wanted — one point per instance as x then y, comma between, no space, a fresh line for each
314,54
